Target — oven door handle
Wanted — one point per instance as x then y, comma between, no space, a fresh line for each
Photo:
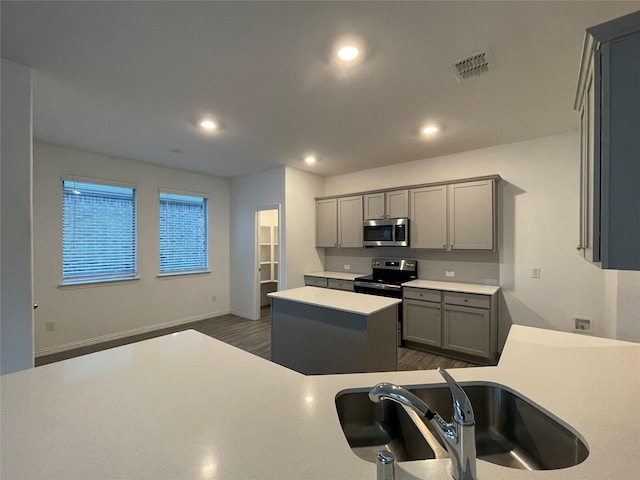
377,286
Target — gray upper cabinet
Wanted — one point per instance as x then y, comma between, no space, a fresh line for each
339,222
471,215
350,221
394,204
327,222
609,105
429,217
457,216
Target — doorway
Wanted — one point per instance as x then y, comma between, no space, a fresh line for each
268,258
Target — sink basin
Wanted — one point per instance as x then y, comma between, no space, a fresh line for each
510,430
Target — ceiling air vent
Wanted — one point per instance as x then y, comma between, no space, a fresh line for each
472,66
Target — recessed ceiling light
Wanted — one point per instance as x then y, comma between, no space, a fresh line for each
310,159
208,124
429,129
348,53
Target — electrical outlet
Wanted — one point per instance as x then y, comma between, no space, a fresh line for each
213,298
50,326
535,272
347,266
583,325
448,273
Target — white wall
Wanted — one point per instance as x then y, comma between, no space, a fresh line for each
247,194
16,301
538,225
301,255
87,314
627,305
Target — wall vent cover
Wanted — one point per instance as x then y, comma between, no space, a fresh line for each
472,66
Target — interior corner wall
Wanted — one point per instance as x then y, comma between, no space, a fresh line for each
301,254
87,314
247,194
538,225
16,296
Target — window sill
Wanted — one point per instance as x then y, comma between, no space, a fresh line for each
97,283
166,276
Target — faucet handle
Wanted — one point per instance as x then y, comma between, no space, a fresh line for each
462,409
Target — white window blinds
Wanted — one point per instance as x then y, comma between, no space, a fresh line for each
99,232
183,233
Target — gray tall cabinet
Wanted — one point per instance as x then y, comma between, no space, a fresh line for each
608,100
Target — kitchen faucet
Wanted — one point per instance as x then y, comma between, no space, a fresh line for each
458,436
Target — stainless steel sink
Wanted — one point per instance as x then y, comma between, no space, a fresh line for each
510,430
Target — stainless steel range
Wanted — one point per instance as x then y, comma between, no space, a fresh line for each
386,280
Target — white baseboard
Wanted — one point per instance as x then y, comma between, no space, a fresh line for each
126,333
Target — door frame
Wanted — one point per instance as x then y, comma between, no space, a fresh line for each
256,253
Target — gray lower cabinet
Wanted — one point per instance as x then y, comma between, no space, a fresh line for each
310,281
340,284
467,330
422,322
325,282
463,325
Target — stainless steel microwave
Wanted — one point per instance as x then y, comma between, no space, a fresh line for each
390,232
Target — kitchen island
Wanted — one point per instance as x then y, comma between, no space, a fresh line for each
319,331
186,406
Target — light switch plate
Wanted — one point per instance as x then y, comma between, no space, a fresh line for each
449,273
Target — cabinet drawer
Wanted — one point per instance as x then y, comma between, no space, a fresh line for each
315,281
340,284
421,294
467,300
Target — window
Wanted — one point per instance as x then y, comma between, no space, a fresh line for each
98,232
183,233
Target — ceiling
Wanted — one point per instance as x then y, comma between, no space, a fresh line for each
132,79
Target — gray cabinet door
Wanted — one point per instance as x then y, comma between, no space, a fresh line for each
350,221
397,204
326,223
374,206
422,322
471,215
429,217
467,330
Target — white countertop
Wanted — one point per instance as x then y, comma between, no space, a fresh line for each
359,303
453,286
186,406
336,275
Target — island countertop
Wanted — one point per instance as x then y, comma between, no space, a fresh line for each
186,406
352,302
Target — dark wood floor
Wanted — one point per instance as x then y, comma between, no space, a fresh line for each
253,336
